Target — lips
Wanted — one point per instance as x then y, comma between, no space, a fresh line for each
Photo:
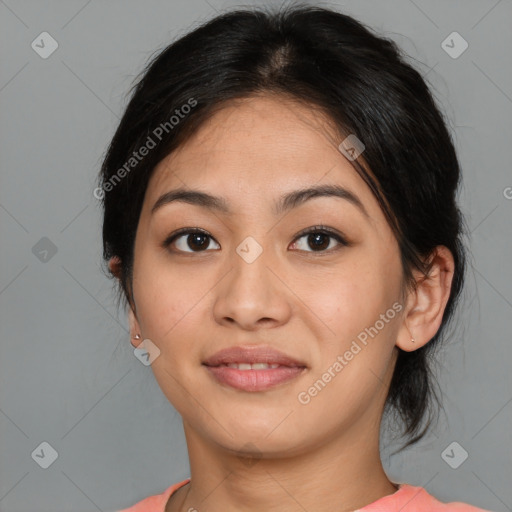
254,380
253,355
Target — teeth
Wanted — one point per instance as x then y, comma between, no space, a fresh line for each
255,366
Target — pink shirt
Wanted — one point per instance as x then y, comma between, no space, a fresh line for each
407,498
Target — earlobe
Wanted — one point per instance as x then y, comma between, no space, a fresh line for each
427,302
135,336
406,340
114,264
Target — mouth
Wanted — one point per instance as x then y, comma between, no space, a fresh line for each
253,368
258,377
255,355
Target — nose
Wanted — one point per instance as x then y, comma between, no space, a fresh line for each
252,295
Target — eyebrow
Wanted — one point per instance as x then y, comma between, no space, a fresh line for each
285,203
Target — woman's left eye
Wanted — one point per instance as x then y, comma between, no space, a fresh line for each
319,238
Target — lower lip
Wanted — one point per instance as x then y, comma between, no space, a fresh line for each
254,380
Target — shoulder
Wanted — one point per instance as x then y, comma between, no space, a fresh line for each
157,502
409,498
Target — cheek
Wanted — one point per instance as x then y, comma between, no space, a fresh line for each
349,297
350,303
165,298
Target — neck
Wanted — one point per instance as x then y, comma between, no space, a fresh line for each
347,470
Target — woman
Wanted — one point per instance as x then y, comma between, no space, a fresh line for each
280,213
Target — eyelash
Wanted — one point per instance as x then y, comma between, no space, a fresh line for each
313,230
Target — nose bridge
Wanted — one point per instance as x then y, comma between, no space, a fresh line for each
250,292
251,260
253,251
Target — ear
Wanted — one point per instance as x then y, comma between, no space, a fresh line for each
426,304
114,265
134,329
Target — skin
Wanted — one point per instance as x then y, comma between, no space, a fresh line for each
310,304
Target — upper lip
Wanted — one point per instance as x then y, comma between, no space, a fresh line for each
251,355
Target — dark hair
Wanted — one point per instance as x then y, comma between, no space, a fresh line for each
361,83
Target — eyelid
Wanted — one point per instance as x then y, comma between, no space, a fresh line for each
185,230
326,230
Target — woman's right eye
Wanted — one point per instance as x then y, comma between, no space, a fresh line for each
186,240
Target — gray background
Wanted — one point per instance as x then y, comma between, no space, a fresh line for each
68,375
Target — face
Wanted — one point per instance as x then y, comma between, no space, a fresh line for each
329,299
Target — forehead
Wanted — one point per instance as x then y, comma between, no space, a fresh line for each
259,147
